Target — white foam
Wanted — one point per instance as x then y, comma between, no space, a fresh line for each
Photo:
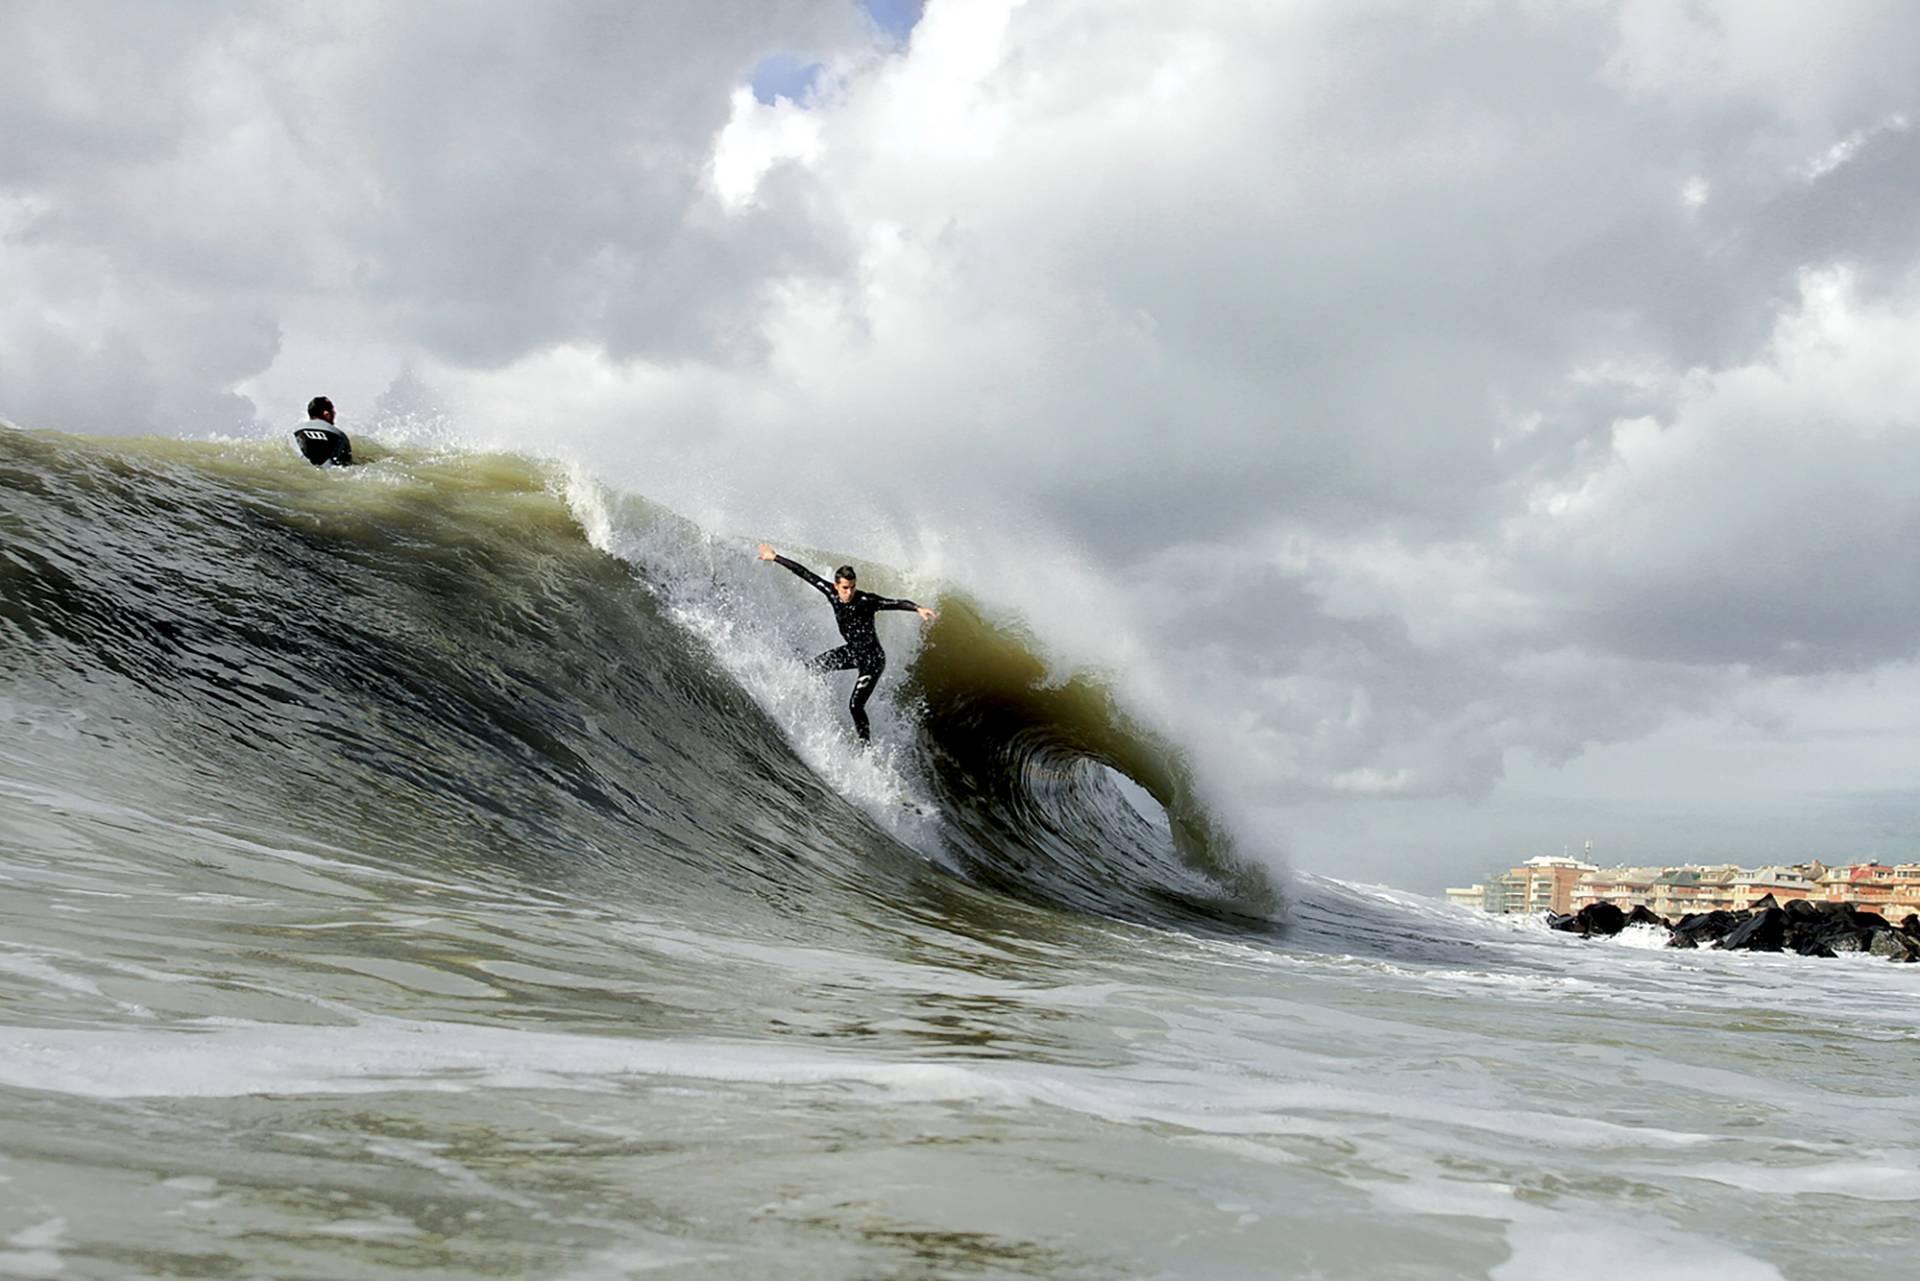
228,1059
756,622
1867,1179
1604,1249
34,1250
1551,1241
587,500
39,968
1651,938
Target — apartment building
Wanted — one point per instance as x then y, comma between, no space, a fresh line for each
1891,891
1543,884
1473,896
1565,884
1621,886
1781,882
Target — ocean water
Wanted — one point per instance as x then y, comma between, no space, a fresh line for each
443,868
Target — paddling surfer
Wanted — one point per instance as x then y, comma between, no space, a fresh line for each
320,441
853,610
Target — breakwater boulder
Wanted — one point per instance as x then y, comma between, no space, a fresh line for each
1763,931
1895,945
1605,919
1702,929
1595,918
1800,925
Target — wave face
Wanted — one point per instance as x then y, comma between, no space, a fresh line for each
433,657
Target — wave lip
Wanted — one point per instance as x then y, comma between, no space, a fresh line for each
1056,791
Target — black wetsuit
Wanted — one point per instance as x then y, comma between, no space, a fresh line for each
322,443
862,650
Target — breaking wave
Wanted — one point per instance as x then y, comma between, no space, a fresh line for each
490,662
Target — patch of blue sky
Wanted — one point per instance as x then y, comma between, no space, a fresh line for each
784,76
895,18
789,76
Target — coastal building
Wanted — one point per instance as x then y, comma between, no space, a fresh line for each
1507,894
1473,896
1715,892
1783,883
1894,892
1676,891
1624,887
1543,884
1906,890
1566,884
1831,885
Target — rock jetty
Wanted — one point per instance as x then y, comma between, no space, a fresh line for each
1801,925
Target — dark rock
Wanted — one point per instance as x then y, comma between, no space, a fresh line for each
1893,945
1855,922
1706,927
1643,915
1766,931
1595,918
1839,936
1849,940
1818,910
1601,918
1821,929
1808,927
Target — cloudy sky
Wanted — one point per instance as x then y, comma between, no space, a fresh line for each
1473,429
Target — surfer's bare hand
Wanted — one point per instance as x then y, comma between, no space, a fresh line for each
766,551
929,614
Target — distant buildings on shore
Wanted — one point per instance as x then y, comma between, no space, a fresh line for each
1566,884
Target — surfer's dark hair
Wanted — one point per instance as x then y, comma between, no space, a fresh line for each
319,405
846,572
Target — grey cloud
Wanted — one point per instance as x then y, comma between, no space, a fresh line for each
1362,692
1864,211
1788,553
99,85
534,174
479,180
1461,211
121,384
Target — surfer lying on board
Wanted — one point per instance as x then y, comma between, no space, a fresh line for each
853,609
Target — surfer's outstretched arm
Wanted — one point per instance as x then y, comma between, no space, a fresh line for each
883,602
812,579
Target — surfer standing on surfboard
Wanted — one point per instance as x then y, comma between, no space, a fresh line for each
853,610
